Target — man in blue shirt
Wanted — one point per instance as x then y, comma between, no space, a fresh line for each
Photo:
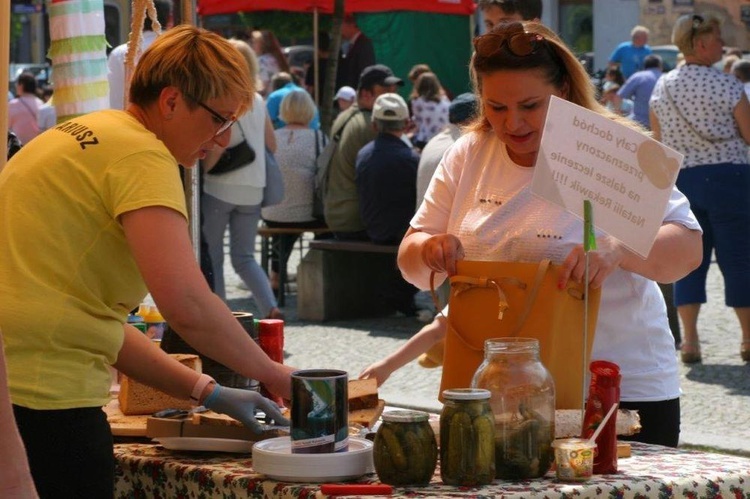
629,56
386,178
639,88
386,173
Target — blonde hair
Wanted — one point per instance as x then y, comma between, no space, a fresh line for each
269,44
553,61
683,34
251,59
638,30
201,64
297,107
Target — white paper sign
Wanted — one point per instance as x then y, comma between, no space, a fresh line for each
627,176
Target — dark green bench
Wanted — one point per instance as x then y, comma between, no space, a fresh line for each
343,279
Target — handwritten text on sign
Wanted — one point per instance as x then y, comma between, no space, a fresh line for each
627,176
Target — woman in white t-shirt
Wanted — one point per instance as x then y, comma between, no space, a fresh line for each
234,199
705,114
517,68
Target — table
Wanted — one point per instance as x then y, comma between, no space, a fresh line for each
146,470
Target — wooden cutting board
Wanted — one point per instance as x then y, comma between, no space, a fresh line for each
122,425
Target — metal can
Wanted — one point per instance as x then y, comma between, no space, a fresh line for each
467,438
405,450
320,411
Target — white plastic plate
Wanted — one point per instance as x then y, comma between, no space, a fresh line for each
274,458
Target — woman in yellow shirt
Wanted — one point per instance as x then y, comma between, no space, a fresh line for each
92,215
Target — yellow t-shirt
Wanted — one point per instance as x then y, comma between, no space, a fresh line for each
67,277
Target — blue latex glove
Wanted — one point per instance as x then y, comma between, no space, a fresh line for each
241,405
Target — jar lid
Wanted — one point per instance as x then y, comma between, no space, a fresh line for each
405,416
466,394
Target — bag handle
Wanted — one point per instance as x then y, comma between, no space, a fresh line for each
687,121
465,283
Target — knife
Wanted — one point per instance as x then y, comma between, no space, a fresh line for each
178,413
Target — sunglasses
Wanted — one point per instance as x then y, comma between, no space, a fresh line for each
696,24
520,44
224,123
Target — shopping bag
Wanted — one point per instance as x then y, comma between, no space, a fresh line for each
504,299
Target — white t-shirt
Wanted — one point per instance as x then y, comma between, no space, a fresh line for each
431,156
479,195
244,186
116,69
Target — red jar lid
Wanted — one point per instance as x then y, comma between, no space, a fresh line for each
605,374
604,368
270,327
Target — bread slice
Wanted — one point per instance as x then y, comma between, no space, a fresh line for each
212,418
363,394
568,422
367,417
137,398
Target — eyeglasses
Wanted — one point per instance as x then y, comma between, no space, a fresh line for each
224,123
520,44
697,22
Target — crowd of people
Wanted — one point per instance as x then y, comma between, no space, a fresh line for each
402,172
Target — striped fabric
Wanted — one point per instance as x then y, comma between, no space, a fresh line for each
79,57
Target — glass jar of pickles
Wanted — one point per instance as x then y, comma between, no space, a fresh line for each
405,449
467,438
523,405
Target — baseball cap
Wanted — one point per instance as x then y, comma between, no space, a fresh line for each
378,74
462,108
346,93
390,107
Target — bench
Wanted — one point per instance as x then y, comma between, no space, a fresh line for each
343,279
267,248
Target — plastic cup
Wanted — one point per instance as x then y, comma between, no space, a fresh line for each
574,459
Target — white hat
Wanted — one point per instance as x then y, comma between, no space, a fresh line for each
346,93
390,107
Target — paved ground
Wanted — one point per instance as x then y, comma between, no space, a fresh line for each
716,393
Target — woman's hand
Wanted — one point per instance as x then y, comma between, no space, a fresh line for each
602,262
279,382
441,251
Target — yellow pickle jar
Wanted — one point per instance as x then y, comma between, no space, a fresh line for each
523,405
467,438
405,450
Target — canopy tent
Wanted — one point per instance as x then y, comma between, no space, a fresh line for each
211,7
403,32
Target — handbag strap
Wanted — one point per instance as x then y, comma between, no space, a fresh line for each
28,108
461,284
242,132
689,124
337,135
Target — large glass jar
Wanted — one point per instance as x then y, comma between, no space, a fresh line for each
405,449
467,438
523,403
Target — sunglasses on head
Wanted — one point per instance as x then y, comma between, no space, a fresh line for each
520,43
696,24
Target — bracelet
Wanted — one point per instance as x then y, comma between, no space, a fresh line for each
200,385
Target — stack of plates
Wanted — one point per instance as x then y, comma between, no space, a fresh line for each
274,458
